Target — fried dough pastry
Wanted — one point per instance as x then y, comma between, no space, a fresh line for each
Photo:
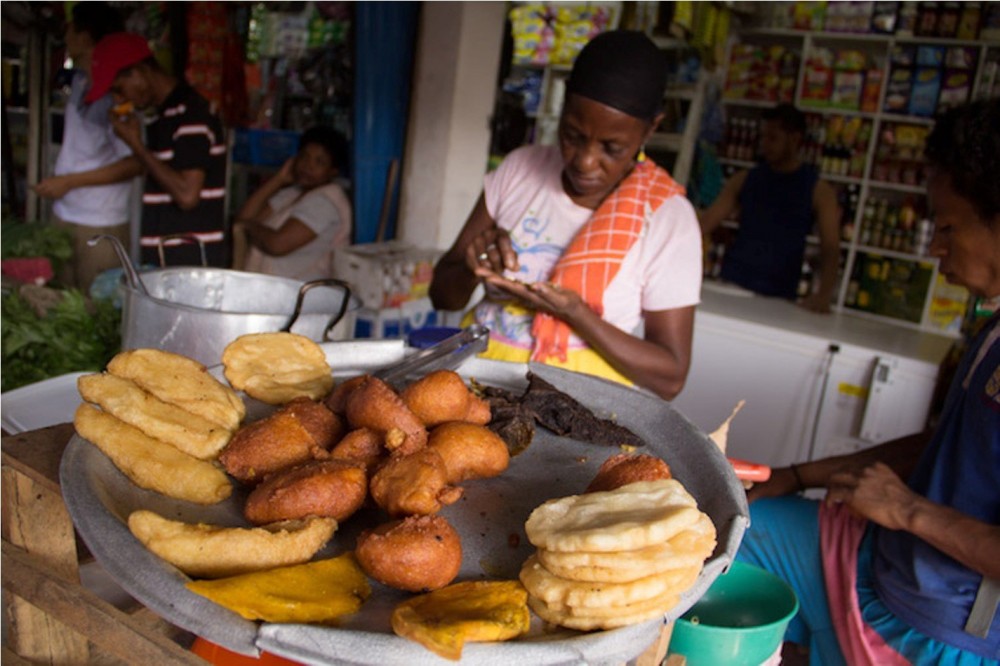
150,463
126,401
362,445
276,368
325,488
313,592
627,518
336,402
442,396
475,611
373,404
180,381
416,484
416,554
622,469
301,430
469,451
212,551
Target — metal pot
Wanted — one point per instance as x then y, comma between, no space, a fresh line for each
197,311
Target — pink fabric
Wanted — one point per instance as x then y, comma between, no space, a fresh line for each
840,534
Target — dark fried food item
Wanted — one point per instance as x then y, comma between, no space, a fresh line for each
299,431
416,554
416,484
469,451
442,396
373,404
325,488
336,402
315,417
512,421
622,469
564,416
362,445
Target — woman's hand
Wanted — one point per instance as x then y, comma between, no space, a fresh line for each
491,253
874,492
286,175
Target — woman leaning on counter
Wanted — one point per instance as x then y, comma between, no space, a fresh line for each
579,244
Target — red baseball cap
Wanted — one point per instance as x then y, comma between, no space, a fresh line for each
111,55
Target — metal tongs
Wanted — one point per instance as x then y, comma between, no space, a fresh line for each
445,355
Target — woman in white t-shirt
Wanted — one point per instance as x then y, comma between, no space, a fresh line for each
299,217
582,244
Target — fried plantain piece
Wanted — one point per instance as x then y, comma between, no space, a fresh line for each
474,611
314,592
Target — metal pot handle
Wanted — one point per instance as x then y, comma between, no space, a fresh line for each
190,238
131,275
328,282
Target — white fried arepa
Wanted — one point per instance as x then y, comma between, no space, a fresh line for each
613,558
627,518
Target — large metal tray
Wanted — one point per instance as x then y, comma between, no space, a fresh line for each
490,518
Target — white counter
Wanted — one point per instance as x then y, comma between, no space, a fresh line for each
814,384
734,303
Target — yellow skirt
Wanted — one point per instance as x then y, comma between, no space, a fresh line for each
586,360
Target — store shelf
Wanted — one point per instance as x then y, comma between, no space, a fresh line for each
869,191
897,187
871,250
826,35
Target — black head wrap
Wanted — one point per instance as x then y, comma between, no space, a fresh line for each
622,69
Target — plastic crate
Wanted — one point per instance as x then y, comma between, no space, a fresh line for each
262,147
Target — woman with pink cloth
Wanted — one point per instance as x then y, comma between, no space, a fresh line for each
908,572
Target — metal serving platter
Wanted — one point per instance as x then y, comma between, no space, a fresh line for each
489,517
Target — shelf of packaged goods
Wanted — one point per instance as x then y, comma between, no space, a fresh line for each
864,36
836,178
750,103
830,111
897,187
871,250
912,120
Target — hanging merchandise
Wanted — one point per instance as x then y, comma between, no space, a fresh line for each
206,33
553,34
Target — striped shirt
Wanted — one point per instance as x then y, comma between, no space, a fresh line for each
186,135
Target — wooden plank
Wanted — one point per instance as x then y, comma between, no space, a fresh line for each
12,659
654,654
115,632
37,453
35,519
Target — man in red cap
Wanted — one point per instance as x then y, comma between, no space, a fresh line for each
184,155
90,184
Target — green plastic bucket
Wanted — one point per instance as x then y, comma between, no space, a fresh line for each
740,620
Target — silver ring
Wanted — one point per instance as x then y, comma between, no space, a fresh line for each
484,256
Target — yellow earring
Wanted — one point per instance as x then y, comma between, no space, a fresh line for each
641,157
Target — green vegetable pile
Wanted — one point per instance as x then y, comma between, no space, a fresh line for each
34,239
74,335
49,332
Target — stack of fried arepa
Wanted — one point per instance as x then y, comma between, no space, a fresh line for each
615,557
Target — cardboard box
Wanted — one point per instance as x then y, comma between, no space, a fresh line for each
387,274
397,322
